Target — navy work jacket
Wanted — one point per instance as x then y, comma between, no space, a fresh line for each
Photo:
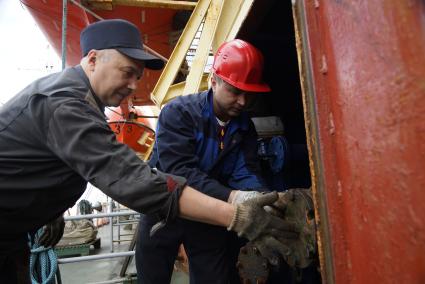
187,145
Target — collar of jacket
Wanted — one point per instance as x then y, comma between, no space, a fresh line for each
238,123
91,97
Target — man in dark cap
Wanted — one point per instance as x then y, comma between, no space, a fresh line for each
54,139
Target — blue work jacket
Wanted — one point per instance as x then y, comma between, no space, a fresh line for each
187,145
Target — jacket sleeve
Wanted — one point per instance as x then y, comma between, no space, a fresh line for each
176,148
246,174
81,138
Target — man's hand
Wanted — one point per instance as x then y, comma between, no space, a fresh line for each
294,205
239,196
251,220
52,233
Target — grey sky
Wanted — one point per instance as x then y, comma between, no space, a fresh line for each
25,54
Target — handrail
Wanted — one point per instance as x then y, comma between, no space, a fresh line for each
95,257
100,215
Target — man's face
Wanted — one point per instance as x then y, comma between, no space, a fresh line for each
229,101
113,76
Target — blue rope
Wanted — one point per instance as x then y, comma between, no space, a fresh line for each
43,262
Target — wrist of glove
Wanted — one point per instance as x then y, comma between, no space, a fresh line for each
251,220
242,196
52,232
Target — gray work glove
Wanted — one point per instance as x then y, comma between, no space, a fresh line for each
251,220
52,232
242,196
271,248
296,205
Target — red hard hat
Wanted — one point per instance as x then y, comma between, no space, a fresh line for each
240,64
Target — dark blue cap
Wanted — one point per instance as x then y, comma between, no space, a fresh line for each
120,35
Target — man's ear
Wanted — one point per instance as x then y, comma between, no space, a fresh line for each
213,82
92,58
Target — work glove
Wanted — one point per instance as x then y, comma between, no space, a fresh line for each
52,232
255,257
271,248
242,196
251,220
296,206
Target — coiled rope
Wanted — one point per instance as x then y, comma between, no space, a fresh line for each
43,262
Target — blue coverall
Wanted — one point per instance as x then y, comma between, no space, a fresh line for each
187,145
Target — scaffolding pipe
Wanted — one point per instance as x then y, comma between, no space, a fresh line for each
86,9
101,215
64,16
111,220
167,4
94,257
118,280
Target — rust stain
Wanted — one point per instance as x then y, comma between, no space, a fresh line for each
331,124
324,65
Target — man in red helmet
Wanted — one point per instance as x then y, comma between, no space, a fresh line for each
208,139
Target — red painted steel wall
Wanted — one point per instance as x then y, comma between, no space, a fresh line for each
368,60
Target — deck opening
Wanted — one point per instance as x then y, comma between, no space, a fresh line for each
270,27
